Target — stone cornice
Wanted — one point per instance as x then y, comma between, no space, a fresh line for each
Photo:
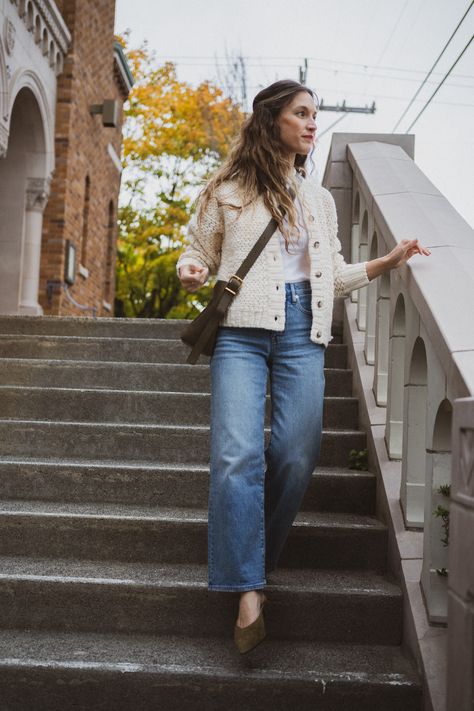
53,20
122,71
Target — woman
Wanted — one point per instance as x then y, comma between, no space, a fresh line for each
278,325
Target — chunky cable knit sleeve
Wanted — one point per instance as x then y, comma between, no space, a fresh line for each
204,241
347,277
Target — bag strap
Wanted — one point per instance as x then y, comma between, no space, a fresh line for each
235,281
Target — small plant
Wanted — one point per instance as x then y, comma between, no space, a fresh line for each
443,513
358,459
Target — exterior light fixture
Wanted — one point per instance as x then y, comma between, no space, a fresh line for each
109,110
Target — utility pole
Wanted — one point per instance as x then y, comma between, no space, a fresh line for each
303,72
348,109
345,110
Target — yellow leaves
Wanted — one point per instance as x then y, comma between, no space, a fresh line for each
165,116
173,135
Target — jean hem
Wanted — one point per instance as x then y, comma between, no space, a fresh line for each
237,588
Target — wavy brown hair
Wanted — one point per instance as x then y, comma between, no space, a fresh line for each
256,159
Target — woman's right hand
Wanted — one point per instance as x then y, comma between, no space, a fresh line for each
192,277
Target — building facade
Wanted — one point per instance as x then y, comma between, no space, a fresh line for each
63,82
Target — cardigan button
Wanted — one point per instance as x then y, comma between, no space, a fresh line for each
320,303
316,244
276,318
318,274
311,218
318,334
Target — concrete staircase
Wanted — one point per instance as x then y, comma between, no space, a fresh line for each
103,541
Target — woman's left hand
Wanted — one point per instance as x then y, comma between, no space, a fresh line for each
403,251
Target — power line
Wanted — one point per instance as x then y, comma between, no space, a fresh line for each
436,62
388,42
391,97
440,84
325,69
292,60
319,135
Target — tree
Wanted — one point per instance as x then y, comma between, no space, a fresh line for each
174,136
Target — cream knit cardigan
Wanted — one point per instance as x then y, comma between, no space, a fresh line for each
225,238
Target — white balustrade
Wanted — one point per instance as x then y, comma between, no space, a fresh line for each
417,321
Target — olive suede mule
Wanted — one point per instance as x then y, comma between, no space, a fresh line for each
246,638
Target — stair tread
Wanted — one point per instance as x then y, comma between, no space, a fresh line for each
123,364
305,661
141,425
70,362
158,466
121,391
99,339
126,511
347,582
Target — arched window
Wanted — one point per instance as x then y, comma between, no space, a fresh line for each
109,254
85,221
38,29
44,42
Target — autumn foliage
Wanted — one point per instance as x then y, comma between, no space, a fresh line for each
174,136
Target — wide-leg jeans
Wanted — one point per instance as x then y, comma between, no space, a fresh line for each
255,491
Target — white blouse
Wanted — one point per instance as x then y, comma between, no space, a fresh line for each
296,262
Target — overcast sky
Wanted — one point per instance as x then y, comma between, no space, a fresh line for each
358,50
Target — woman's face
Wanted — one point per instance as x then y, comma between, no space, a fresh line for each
297,122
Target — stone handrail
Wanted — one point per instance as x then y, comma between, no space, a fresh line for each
461,561
417,325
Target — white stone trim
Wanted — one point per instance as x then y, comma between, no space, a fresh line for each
52,18
3,141
9,35
30,79
115,159
45,24
37,193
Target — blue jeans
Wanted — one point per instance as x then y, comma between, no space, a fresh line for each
256,492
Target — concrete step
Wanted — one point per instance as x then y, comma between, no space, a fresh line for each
86,326
167,535
131,350
349,607
140,443
141,407
169,377
331,489
101,327
54,671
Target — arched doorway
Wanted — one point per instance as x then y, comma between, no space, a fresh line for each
24,189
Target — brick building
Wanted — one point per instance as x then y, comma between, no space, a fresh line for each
63,81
